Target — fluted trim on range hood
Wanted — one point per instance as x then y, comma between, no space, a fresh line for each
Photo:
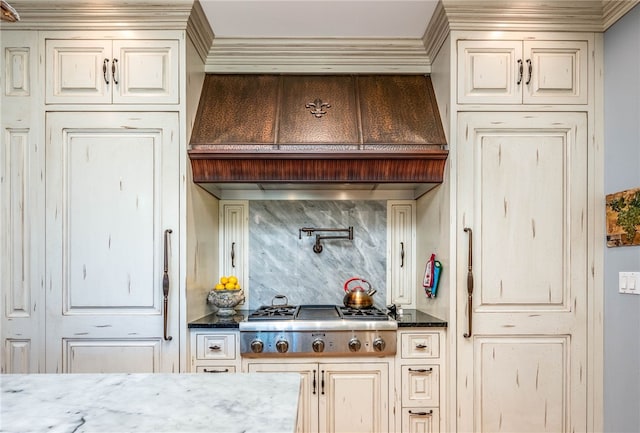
288,129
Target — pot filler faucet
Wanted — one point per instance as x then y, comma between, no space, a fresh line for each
317,247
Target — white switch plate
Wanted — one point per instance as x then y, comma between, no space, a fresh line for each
629,282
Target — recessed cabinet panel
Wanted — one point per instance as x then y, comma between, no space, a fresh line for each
420,420
215,346
401,252
234,240
420,385
17,354
488,72
74,71
420,345
111,356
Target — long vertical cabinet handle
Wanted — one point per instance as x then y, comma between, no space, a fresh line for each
165,282
520,70
322,383
314,382
469,283
530,71
233,254
114,69
105,62
402,254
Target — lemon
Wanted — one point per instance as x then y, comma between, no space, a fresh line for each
224,280
229,286
233,279
219,287
237,286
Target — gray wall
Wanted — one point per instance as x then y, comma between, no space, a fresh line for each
622,171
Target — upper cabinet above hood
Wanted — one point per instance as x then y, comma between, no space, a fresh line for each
277,130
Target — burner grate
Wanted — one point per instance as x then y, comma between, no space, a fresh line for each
372,313
266,312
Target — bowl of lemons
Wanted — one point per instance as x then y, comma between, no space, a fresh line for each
226,295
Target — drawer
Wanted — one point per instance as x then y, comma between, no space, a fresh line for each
216,369
420,345
420,385
420,420
216,346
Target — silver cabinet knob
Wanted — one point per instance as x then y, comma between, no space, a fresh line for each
379,344
317,345
282,346
257,346
354,345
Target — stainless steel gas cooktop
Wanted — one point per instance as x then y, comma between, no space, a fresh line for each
317,330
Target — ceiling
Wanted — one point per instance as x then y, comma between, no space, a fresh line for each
376,19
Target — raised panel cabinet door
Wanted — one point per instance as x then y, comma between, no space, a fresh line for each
556,72
234,241
489,72
78,71
354,398
145,72
112,188
309,392
401,252
523,192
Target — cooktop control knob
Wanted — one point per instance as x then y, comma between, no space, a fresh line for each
318,345
282,346
378,344
257,346
354,345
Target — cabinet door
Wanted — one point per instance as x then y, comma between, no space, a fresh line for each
234,240
309,393
556,72
78,71
112,188
523,190
146,72
354,398
401,248
420,385
489,72
421,420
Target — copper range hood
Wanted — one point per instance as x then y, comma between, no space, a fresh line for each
296,131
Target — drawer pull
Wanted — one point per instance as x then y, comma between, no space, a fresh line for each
215,347
428,413
421,370
421,346
226,370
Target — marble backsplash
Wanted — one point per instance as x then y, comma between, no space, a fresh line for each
282,264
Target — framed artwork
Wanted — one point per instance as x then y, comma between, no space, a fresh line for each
623,218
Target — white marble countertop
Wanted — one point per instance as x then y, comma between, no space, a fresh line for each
229,403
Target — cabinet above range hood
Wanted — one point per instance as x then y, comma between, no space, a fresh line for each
282,132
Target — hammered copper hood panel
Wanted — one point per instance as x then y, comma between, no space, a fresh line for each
318,129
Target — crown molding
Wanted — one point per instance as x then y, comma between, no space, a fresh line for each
437,32
199,31
102,14
233,55
613,10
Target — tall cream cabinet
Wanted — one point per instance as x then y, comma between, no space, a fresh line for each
95,170
523,151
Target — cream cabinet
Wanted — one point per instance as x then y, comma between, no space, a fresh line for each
101,71
234,241
340,397
419,368
522,72
214,351
401,246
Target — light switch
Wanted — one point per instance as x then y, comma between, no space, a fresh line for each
629,282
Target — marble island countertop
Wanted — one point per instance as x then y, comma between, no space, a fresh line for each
149,403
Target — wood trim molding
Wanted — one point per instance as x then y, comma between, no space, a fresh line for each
437,32
242,55
199,31
102,15
612,11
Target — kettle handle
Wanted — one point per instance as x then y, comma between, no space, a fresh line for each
346,285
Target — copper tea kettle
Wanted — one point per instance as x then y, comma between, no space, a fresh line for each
356,296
